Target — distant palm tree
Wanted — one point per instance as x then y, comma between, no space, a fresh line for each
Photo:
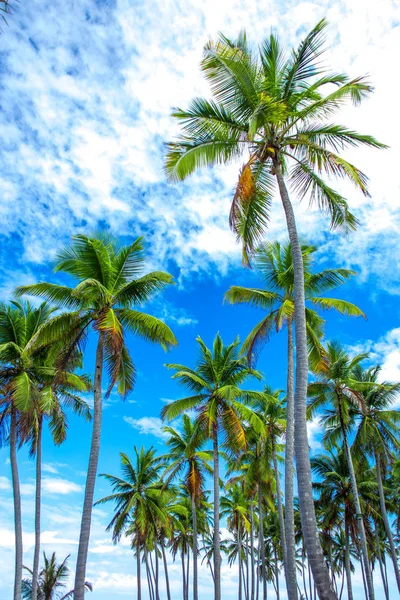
52,581
274,263
137,499
218,402
109,284
272,107
337,390
186,454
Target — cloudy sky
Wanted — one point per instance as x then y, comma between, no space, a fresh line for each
87,90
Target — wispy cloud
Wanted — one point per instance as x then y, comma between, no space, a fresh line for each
147,426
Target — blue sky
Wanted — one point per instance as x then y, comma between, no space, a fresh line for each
87,90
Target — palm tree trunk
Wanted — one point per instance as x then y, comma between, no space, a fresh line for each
165,570
17,505
36,553
252,550
217,543
386,521
183,574
187,573
379,555
247,584
138,571
347,562
157,575
80,577
276,573
195,550
239,533
357,506
303,468
280,507
261,545
149,578
290,547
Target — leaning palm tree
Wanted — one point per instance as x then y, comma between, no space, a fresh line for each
186,454
217,401
378,434
274,263
52,581
137,499
109,283
274,108
337,391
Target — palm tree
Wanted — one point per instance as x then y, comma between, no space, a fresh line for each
52,581
20,375
109,284
274,107
378,433
137,498
186,454
337,388
274,262
215,383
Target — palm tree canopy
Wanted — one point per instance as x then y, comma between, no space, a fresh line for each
110,286
277,107
218,400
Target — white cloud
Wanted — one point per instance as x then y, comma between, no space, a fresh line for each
314,431
53,485
5,483
147,425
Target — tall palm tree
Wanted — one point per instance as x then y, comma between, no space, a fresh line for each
217,400
109,284
274,262
137,499
186,454
337,390
274,107
52,581
20,375
378,433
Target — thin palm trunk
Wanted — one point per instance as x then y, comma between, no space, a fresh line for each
386,521
164,555
217,543
276,573
347,562
138,571
357,506
195,550
261,544
208,559
149,578
252,550
303,468
17,505
290,547
80,577
379,555
183,574
36,552
187,573
247,583
157,574
280,507
239,533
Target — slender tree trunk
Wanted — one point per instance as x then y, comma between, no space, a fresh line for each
36,552
157,575
208,559
303,468
303,571
149,577
183,575
187,574
379,555
347,563
239,533
17,505
385,570
261,545
217,543
138,572
386,521
252,549
247,584
195,550
290,547
342,584
277,573
280,507
357,506
83,548
166,570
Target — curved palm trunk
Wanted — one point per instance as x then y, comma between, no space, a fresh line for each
303,468
36,553
290,547
261,545
138,572
252,550
357,506
386,521
165,570
17,505
195,550
79,588
217,543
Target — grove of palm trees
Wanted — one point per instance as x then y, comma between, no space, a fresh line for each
250,451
